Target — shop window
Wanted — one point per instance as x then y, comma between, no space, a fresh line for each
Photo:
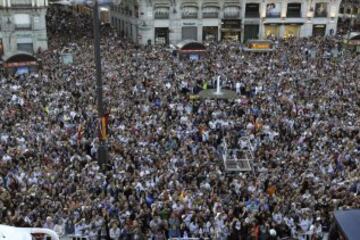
161,35
189,33
292,31
272,31
210,33
252,10
294,10
319,30
251,32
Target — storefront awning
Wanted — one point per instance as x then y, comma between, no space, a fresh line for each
190,46
20,60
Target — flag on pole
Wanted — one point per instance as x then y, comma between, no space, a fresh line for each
104,120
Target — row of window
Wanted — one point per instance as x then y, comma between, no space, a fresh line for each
126,11
252,11
122,26
23,3
354,10
22,44
22,21
251,31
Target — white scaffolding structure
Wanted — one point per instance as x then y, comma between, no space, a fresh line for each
238,160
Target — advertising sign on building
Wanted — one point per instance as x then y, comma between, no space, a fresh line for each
273,9
321,9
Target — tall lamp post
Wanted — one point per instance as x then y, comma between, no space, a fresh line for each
102,150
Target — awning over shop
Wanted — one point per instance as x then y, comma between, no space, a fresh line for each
190,46
20,60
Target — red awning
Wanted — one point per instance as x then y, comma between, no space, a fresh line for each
20,60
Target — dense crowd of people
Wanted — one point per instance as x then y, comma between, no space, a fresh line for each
299,107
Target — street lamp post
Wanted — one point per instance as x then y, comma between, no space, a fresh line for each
102,150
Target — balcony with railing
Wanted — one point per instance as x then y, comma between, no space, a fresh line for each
210,12
232,12
21,3
161,13
189,13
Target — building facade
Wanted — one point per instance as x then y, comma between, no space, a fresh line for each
22,28
349,16
171,21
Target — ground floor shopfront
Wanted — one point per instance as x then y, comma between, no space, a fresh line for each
234,30
297,30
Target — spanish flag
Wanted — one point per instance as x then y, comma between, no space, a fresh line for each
104,127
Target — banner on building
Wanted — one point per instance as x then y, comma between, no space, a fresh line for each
273,9
321,9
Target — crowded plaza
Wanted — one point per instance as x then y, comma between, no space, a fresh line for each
299,106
